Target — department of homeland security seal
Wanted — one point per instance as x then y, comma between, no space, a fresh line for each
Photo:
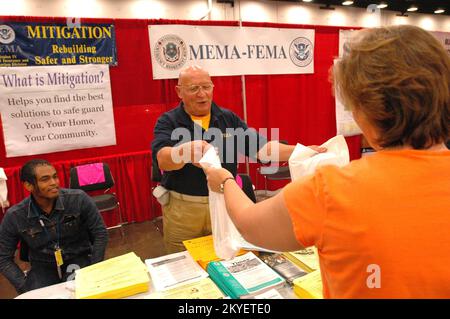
7,34
171,52
301,52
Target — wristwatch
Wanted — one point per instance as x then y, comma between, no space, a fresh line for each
222,185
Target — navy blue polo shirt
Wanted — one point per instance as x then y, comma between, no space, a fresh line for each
226,131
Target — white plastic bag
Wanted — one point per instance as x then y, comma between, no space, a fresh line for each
304,161
3,190
161,194
225,235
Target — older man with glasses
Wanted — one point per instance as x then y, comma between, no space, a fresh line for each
181,137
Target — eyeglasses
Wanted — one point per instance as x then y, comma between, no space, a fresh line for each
194,89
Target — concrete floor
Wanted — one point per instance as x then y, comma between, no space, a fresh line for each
145,239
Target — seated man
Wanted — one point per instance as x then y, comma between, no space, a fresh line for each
62,229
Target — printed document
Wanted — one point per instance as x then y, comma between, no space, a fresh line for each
173,270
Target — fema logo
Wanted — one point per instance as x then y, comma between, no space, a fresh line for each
7,34
170,51
301,52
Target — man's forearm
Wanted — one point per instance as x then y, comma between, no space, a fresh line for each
274,151
285,151
8,244
99,247
12,272
100,240
98,233
167,161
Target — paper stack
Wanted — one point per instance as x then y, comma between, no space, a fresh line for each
307,259
117,277
309,286
201,289
202,250
282,265
244,276
173,270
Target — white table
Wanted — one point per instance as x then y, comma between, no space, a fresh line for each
64,290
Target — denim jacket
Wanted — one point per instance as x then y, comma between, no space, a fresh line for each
74,224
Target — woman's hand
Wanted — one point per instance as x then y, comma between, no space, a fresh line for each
318,149
215,177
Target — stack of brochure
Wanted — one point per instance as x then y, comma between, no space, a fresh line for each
117,277
201,289
309,286
283,266
171,271
202,250
307,259
244,276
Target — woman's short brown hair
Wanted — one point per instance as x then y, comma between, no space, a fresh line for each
399,77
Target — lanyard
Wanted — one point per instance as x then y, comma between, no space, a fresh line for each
39,213
57,249
55,244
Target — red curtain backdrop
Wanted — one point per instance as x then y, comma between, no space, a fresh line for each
301,106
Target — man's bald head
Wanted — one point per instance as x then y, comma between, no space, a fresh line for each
189,72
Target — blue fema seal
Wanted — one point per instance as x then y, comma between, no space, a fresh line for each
301,52
7,34
170,52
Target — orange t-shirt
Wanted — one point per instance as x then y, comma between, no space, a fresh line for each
381,224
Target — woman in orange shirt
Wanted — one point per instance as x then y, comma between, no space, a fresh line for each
381,224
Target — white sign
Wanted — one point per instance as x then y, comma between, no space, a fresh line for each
48,109
344,36
444,38
230,50
345,124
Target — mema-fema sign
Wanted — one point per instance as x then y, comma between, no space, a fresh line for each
230,50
